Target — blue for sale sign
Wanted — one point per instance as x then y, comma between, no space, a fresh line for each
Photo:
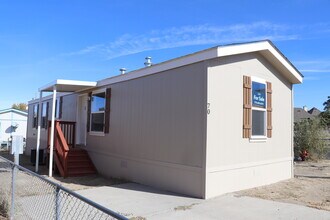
258,94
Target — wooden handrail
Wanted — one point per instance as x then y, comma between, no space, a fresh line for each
64,131
61,137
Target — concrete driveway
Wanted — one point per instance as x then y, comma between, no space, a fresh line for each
141,202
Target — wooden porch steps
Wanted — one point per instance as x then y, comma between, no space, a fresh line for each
70,160
79,163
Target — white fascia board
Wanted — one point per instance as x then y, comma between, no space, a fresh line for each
256,47
171,64
75,82
64,82
286,64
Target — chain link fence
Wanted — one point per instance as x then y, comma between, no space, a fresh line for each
26,195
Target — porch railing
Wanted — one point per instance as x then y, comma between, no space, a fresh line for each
64,133
68,129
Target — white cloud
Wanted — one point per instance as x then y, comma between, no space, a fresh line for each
313,66
188,36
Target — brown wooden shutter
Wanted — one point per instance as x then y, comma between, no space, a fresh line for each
107,110
60,108
247,107
269,110
89,111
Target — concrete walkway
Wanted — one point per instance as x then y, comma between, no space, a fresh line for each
142,202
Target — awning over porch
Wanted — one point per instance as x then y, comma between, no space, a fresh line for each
67,86
58,85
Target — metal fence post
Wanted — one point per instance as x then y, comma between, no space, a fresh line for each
12,207
57,203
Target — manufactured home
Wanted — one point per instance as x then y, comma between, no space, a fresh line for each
208,123
12,122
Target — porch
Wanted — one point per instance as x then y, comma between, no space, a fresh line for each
62,152
69,159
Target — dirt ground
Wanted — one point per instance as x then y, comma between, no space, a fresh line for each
310,187
72,183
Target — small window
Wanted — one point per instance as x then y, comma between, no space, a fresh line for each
44,115
35,116
97,112
258,108
57,109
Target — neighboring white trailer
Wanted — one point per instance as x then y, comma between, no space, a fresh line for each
12,122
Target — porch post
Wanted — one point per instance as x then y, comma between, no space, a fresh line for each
38,132
52,129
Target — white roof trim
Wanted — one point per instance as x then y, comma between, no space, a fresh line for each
261,46
13,110
62,82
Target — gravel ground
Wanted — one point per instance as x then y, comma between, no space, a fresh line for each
310,187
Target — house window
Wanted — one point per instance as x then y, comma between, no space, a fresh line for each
57,109
44,115
97,112
35,116
258,97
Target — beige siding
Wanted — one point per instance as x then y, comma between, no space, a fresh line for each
157,130
69,114
234,163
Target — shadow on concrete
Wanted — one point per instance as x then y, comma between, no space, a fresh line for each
147,189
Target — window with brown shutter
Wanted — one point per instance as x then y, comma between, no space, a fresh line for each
246,107
98,118
257,108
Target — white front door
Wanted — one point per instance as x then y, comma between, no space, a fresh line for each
82,120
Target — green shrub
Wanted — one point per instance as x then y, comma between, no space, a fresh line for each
309,136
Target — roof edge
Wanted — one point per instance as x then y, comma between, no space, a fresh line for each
14,110
210,53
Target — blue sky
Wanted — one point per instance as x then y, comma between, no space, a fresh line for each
41,41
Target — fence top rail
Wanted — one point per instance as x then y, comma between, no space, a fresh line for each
78,196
